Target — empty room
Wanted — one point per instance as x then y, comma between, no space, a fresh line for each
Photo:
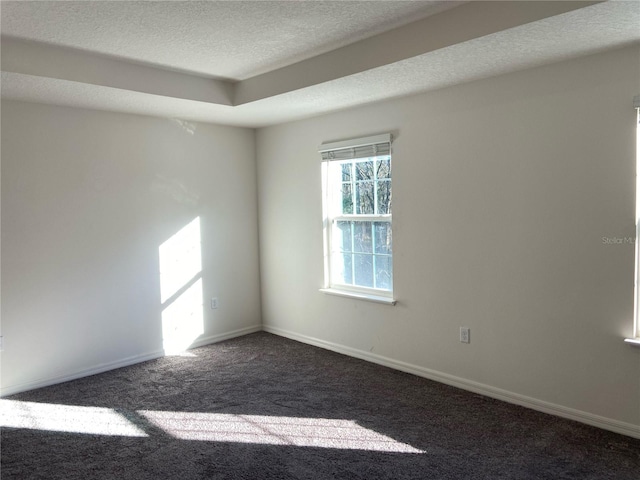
320,240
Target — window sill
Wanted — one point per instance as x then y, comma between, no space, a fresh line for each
359,296
635,342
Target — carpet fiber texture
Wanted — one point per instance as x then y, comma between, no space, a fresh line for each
262,407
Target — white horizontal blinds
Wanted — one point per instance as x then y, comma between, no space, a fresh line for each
363,151
357,148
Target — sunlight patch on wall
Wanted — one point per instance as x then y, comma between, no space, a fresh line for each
183,320
66,418
181,295
180,259
289,431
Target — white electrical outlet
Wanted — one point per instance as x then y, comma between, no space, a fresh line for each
214,303
465,334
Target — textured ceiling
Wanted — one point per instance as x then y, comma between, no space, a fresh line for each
360,61
224,39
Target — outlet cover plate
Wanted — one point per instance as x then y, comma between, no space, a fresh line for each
465,334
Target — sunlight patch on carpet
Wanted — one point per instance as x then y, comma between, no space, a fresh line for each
288,431
66,418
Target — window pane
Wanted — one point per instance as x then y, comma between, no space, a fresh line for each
347,199
364,198
384,197
343,237
383,168
363,270
347,266
383,237
346,172
364,170
383,272
362,237
361,251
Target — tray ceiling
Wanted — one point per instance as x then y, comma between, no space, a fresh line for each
257,63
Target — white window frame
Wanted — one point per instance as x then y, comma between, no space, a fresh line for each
635,340
330,218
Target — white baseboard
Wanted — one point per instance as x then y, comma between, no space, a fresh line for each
85,372
605,423
225,336
624,428
125,362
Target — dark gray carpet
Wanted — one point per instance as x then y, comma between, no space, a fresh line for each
461,435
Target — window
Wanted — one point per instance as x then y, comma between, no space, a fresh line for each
636,314
357,208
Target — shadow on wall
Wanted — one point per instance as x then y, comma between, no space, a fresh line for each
180,260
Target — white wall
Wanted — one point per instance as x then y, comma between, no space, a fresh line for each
503,191
87,199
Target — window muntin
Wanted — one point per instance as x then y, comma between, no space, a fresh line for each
359,196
